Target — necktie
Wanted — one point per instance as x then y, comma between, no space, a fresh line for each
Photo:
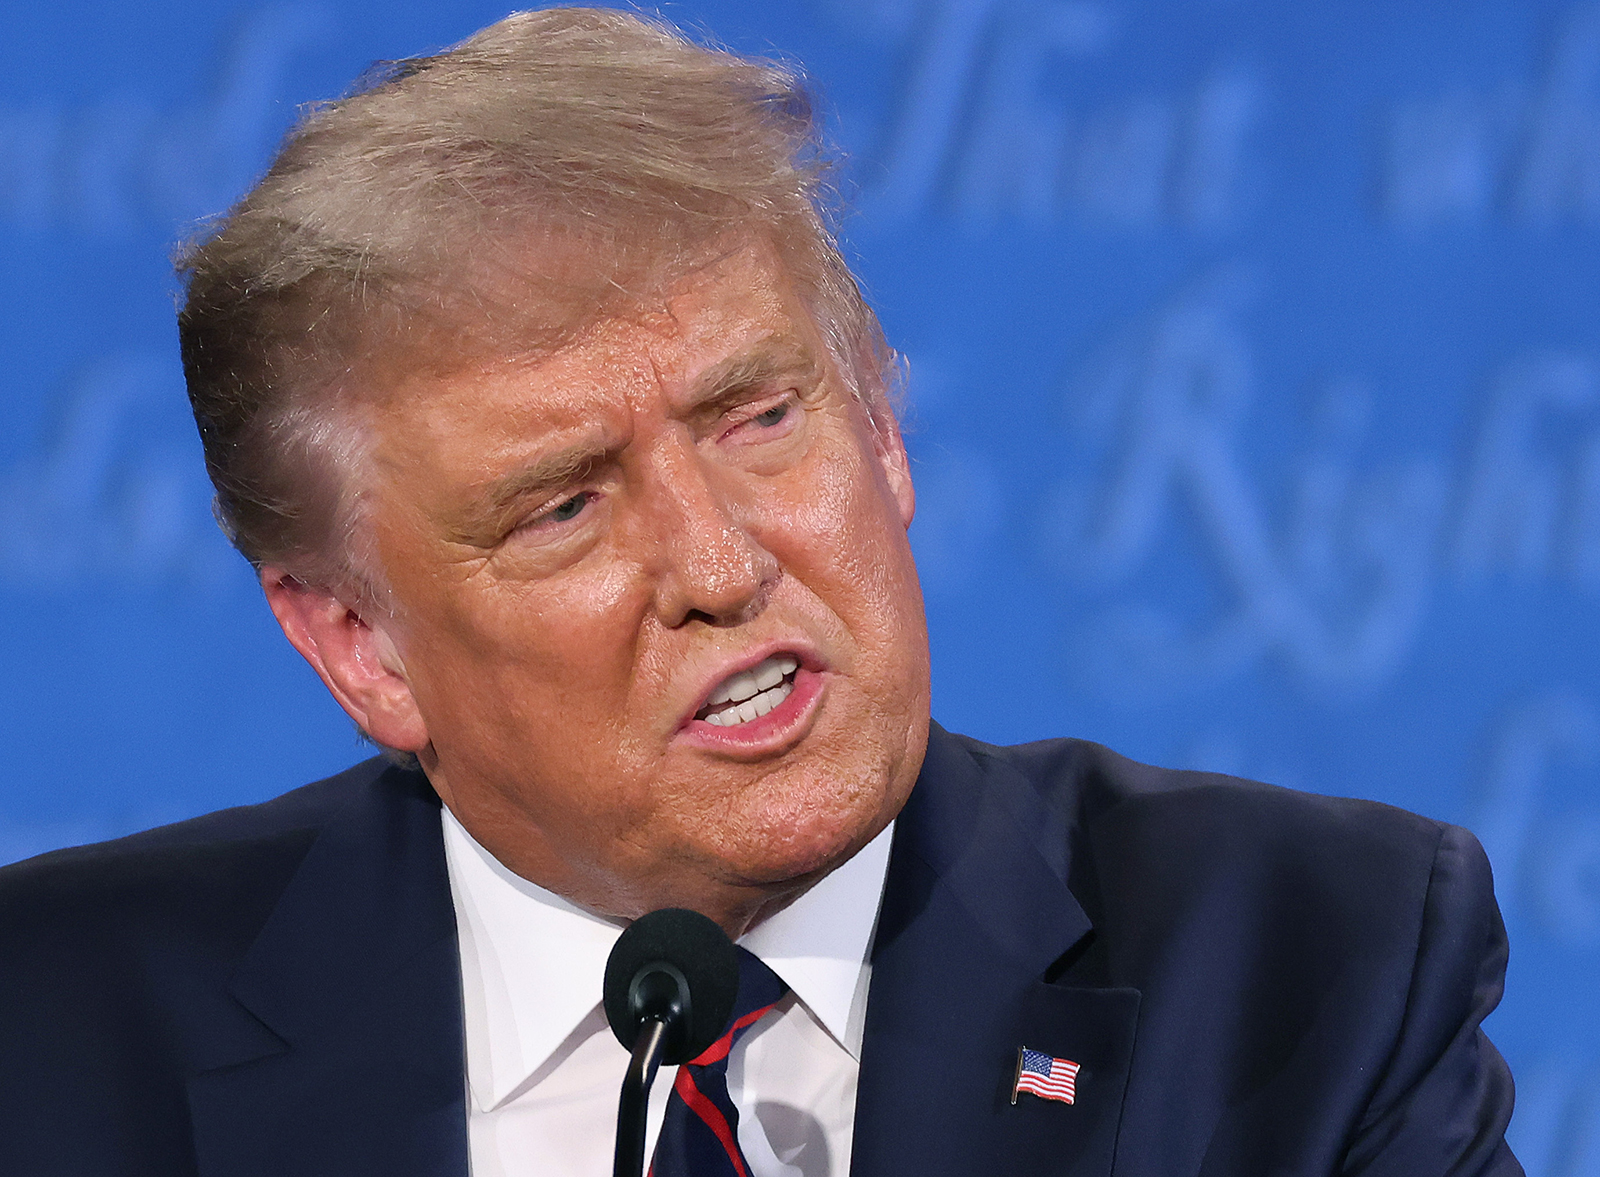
700,1134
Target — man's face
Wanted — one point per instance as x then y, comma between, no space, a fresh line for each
590,551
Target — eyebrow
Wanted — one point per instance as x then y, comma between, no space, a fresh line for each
484,519
769,357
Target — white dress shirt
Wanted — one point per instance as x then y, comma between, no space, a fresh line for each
544,1070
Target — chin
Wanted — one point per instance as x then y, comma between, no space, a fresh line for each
801,842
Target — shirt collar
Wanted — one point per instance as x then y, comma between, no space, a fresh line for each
532,963
821,943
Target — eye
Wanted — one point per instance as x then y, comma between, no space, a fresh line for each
772,416
569,509
563,512
774,419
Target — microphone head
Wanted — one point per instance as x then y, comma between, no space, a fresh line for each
678,966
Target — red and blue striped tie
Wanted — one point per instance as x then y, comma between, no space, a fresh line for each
700,1134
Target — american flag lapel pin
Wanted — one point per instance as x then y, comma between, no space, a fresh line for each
1044,1076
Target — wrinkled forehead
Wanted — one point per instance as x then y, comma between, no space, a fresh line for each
733,303
527,299
738,311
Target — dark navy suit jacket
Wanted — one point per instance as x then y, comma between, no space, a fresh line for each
1253,981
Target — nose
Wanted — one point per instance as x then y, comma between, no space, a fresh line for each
710,568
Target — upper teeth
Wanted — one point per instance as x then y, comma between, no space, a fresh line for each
755,691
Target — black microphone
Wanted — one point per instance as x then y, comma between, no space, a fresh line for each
671,982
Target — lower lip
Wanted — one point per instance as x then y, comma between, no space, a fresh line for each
774,731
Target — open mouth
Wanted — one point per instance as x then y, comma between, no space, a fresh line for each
751,693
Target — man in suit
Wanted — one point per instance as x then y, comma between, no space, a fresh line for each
532,382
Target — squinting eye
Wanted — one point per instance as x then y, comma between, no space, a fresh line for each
567,510
772,416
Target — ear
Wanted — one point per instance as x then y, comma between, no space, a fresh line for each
358,662
891,451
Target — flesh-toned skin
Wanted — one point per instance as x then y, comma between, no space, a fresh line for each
580,547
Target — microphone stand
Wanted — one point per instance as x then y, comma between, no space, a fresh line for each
635,1098
671,982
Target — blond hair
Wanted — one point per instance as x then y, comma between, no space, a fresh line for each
491,199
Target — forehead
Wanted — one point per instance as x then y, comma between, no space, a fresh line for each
740,313
742,301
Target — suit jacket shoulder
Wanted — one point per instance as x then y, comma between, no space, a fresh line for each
1252,979
1140,835
199,890
78,886
214,996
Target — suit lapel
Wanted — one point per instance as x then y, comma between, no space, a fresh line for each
976,910
347,1057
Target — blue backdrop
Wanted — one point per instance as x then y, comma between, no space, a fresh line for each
1254,399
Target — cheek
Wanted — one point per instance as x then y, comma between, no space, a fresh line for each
861,529
496,661
565,627
842,538
839,506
